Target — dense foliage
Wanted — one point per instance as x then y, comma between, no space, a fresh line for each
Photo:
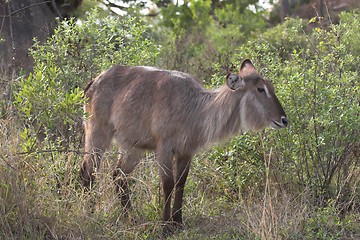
319,84
50,99
316,77
297,183
205,34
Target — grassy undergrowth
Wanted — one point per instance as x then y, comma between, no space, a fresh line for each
301,182
40,198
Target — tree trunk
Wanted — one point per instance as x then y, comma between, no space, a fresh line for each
285,9
23,20
321,8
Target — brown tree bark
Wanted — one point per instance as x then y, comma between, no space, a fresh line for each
20,22
285,9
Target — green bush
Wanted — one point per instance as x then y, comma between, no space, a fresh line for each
50,99
295,183
316,78
308,172
39,188
201,36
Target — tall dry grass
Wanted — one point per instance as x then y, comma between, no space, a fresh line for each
41,198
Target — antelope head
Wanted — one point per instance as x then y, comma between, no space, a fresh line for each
259,106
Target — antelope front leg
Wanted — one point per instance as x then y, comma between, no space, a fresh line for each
165,159
181,173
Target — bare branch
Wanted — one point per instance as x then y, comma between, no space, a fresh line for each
7,163
111,4
53,4
52,151
24,8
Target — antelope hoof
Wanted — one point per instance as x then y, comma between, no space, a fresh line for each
86,180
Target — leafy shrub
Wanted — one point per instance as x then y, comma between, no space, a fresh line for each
49,103
50,98
232,169
316,157
316,79
310,186
201,36
323,223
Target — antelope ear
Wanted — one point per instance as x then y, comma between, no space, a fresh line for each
234,81
247,67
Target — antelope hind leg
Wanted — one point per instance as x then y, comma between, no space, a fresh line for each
125,166
97,140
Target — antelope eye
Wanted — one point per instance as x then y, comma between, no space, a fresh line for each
262,90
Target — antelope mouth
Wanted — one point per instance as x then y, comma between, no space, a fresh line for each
277,125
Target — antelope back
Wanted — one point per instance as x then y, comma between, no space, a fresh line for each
144,105
147,107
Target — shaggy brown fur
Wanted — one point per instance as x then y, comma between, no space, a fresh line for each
170,112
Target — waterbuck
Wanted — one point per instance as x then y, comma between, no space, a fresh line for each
170,112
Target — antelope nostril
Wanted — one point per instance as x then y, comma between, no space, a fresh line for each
284,121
